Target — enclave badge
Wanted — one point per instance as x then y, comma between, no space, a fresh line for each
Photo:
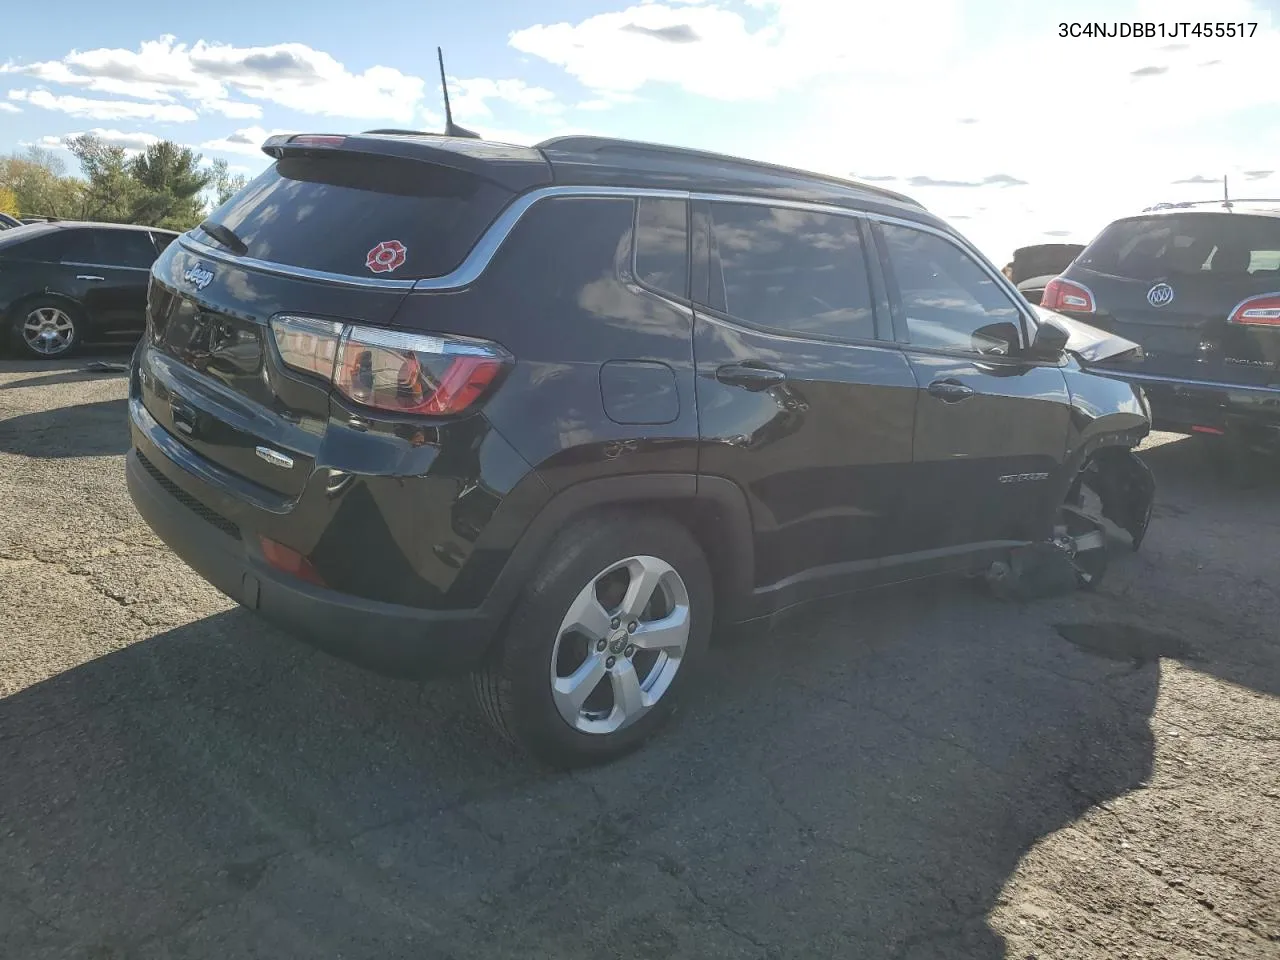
199,275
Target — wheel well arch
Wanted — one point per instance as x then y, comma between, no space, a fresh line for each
17,306
713,509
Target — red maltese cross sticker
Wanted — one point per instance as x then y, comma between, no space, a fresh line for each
386,256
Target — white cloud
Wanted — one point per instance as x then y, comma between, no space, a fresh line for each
9,108
292,75
235,109
247,141
715,52
105,109
470,97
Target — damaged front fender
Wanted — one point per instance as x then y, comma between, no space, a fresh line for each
1125,488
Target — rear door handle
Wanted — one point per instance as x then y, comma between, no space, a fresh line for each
85,276
950,391
749,377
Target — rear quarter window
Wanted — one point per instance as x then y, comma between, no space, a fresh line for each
332,213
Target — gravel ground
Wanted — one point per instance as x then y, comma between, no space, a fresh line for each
919,773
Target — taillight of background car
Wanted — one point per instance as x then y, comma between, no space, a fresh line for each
1061,294
1260,311
392,370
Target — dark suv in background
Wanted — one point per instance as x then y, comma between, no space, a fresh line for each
63,283
1198,287
544,414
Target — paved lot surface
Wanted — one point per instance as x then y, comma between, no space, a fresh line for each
923,773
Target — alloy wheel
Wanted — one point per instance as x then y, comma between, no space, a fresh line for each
48,331
620,645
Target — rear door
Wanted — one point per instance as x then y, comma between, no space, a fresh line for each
335,237
991,427
109,270
1171,282
803,399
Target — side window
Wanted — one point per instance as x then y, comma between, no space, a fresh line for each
795,271
162,241
111,248
662,245
47,247
127,248
949,301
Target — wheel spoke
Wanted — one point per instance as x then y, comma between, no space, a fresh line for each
586,616
628,698
646,575
671,633
572,691
1094,540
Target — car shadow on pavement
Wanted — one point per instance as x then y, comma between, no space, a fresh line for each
99,429
860,781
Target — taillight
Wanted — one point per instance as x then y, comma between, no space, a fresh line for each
392,370
307,344
1062,294
1260,311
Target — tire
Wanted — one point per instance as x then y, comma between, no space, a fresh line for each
600,558
63,327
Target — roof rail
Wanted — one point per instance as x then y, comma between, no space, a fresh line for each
589,144
391,131
1228,204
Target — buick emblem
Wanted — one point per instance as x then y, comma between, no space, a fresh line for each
199,275
1161,295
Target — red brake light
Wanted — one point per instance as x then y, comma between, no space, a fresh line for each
1067,295
290,561
318,140
391,370
1261,311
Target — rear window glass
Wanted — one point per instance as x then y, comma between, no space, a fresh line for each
43,245
361,216
1212,244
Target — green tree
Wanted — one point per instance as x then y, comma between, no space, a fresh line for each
39,184
224,184
9,202
111,191
168,181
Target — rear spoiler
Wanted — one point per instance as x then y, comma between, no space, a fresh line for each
514,168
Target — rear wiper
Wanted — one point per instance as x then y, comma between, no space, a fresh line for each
225,236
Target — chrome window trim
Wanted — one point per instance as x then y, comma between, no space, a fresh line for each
479,257
99,265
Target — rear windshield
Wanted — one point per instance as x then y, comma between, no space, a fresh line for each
361,216
1213,244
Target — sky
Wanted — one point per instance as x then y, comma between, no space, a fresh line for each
976,108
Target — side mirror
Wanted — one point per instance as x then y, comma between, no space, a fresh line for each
1050,341
995,339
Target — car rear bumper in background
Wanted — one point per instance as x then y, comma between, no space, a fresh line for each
390,638
1199,406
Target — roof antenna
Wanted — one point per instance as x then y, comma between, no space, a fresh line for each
451,129
1226,199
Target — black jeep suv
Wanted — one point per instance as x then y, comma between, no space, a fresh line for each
1198,287
543,414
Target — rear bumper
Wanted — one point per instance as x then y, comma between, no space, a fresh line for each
1208,406
390,638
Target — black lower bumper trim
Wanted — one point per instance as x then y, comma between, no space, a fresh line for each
389,638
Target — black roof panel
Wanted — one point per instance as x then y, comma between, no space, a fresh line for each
596,161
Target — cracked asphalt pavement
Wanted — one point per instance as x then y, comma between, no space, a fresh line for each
919,773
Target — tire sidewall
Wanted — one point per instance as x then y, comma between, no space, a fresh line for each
24,310
579,556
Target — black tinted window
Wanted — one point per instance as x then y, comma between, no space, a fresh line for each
662,245
1210,244
43,246
162,240
793,270
362,216
949,301
110,248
